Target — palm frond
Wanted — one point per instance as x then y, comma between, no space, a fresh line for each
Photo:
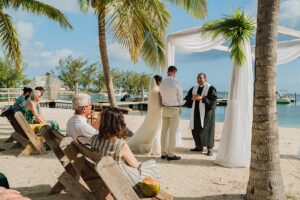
237,28
196,8
9,39
41,8
139,26
84,5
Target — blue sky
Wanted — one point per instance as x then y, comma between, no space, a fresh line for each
44,42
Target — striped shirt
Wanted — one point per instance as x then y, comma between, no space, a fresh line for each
112,147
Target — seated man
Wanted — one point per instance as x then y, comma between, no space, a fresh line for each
77,126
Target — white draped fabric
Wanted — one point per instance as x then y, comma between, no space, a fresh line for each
288,51
235,142
235,145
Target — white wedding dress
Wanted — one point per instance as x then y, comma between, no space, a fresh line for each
147,138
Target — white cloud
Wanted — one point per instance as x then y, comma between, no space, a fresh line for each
53,57
39,45
25,30
289,14
36,56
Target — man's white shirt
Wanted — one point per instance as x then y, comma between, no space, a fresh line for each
171,92
78,126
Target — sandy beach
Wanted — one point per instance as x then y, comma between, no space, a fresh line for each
195,176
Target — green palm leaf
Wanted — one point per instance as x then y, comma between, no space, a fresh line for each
9,39
140,28
8,34
41,8
140,25
236,28
196,8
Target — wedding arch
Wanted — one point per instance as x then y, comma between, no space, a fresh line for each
235,144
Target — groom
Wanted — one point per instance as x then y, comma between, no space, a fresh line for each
172,99
202,123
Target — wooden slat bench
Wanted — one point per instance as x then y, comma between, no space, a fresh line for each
24,134
87,173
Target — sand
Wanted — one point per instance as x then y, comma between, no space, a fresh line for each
195,176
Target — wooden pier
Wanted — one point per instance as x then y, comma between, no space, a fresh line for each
125,106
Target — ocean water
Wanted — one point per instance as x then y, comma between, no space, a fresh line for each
288,114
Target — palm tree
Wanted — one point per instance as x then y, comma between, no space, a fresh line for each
236,28
139,26
265,180
8,34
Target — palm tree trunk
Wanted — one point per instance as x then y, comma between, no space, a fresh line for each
104,59
265,180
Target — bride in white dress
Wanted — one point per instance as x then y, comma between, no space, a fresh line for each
147,138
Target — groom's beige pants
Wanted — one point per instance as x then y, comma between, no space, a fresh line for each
170,122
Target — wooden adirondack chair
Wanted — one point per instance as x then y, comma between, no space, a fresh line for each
24,134
9,114
116,182
82,177
79,177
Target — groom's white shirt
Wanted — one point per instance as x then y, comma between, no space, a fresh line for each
171,92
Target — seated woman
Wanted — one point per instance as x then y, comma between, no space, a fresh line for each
21,101
31,114
111,142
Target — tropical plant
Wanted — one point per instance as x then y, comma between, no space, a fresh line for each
128,82
9,75
89,75
139,26
70,70
8,34
117,77
142,82
265,180
236,28
26,81
99,81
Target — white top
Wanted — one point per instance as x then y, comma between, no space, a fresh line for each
171,92
77,126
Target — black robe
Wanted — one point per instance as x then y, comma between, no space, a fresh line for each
204,136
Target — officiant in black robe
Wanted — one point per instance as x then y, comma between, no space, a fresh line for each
202,99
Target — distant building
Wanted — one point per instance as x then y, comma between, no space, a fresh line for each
49,83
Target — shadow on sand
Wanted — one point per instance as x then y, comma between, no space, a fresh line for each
9,151
288,157
40,192
183,161
214,197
